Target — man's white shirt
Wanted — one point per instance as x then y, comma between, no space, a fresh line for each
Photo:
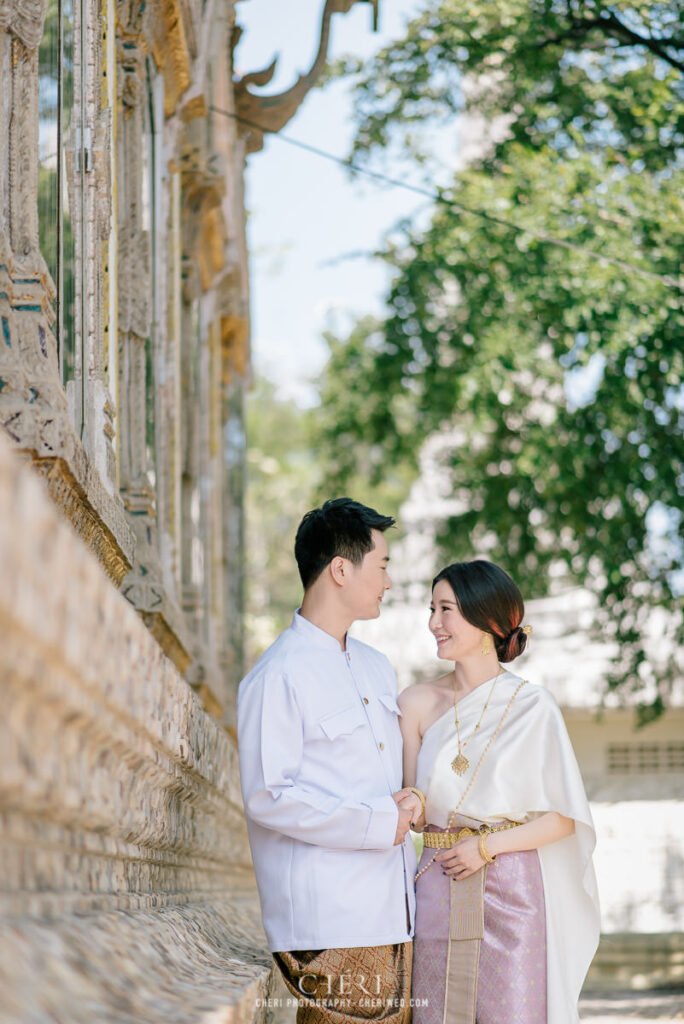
320,756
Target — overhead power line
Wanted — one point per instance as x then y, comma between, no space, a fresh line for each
444,200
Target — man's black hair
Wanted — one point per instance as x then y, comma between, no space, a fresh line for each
339,527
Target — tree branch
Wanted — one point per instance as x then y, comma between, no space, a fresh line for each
612,26
659,47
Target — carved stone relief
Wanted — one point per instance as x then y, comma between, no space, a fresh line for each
23,161
102,161
5,119
134,309
33,406
147,587
23,19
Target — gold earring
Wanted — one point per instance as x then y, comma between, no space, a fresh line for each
486,644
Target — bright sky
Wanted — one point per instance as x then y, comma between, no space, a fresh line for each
305,212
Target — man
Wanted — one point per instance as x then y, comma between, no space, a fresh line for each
320,761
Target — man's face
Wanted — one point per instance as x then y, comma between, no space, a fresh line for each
368,581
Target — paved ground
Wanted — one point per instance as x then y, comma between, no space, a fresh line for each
630,1007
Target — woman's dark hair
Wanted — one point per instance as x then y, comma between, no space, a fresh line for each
340,527
489,599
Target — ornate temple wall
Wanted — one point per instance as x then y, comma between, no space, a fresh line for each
126,889
124,302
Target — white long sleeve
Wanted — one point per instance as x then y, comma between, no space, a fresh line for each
272,749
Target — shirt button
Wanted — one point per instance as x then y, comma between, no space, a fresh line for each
381,745
365,700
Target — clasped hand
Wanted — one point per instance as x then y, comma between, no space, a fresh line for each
410,812
462,860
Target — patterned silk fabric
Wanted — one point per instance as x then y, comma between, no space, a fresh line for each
511,973
338,986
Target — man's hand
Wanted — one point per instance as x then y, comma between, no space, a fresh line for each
409,811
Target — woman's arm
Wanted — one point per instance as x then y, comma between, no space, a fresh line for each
547,828
465,859
411,705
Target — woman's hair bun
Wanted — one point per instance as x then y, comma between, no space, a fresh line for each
511,646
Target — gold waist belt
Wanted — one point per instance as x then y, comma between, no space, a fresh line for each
444,840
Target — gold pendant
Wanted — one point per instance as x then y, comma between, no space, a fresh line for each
460,764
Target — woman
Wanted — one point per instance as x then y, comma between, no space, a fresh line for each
507,913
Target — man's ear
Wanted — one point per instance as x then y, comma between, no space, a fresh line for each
337,570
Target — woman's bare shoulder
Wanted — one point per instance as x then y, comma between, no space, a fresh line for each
421,697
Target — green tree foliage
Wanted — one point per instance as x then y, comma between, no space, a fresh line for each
561,373
282,475
284,480
350,401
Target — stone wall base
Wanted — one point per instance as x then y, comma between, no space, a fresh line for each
193,964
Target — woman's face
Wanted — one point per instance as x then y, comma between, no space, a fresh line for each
456,637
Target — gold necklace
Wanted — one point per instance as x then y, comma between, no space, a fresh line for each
475,773
460,763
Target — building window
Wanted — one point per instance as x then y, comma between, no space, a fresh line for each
640,758
153,186
58,187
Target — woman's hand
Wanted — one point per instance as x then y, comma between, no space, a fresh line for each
462,860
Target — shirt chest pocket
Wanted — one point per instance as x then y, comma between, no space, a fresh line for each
389,702
386,718
342,723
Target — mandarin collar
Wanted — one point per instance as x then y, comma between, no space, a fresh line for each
314,634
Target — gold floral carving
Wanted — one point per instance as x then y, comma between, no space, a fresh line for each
67,493
195,107
171,53
167,640
234,345
204,228
210,252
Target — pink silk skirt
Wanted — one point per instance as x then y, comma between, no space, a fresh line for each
511,972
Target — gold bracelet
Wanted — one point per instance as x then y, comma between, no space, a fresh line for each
482,847
421,796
